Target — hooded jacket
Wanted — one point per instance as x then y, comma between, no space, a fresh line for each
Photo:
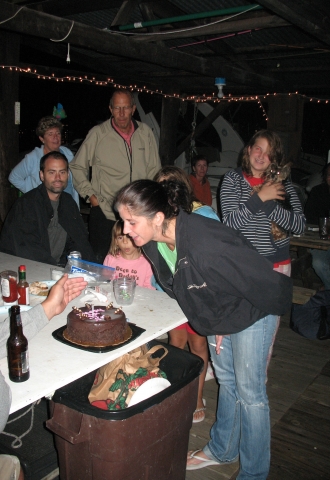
222,284
25,233
25,175
113,164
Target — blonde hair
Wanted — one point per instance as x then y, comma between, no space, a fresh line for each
117,231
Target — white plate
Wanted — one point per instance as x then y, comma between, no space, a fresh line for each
49,284
148,389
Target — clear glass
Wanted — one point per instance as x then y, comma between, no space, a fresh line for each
9,287
324,228
124,290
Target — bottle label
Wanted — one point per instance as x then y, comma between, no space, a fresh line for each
5,287
25,361
23,295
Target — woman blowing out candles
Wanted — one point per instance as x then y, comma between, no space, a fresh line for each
224,287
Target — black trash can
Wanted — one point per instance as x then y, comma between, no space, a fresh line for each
148,441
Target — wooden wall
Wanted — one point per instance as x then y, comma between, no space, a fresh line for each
285,116
9,55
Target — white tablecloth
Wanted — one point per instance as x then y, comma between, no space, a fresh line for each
54,364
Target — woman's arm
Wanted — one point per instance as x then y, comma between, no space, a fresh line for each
28,167
239,204
294,219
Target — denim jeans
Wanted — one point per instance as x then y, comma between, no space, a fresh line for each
242,426
321,265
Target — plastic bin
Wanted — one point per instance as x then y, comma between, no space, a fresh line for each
148,441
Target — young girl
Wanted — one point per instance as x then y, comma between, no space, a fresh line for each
127,258
252,212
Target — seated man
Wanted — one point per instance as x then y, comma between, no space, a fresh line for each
33,320
318,205
45,224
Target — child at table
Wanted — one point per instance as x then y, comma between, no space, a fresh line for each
127,258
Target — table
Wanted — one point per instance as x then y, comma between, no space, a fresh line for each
302,266
310,240
53,364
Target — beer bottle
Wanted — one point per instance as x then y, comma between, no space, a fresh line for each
23,287
17,347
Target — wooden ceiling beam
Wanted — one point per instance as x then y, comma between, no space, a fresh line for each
304,15
63,8
31,22
123,15
253,23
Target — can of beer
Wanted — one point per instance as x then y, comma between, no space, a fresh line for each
75,254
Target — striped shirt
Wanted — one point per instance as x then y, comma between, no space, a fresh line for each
243,210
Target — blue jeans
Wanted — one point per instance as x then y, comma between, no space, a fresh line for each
242,426
321,265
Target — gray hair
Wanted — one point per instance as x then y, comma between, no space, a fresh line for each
122,91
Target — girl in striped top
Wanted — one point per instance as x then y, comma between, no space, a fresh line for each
252,212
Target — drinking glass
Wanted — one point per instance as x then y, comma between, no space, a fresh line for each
124,290
9,287
324,228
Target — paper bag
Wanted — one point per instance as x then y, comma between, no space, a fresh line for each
116,382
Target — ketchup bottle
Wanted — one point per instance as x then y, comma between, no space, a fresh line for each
23,287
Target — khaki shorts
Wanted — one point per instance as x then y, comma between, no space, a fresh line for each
9,467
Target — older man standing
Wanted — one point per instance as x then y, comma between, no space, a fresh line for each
45,224
119,151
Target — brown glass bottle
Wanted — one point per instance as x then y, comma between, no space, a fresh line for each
23,287
17,347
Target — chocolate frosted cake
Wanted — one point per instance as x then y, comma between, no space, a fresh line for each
97,326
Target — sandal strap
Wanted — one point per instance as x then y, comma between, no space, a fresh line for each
199,410
193,455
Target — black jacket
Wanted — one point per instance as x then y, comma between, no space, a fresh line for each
25,234
318,203
222,284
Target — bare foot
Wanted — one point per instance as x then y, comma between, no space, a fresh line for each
192,460
199,413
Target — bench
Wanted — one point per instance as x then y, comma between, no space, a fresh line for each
301,295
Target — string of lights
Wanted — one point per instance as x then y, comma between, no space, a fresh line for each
189,98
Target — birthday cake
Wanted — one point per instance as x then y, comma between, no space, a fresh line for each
97,326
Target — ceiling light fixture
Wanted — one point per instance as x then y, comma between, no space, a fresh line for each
220,82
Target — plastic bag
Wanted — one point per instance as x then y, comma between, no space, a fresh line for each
92,272
116,382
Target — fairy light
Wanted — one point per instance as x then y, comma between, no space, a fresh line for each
202,98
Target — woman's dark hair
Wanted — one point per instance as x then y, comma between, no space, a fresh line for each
276,152
145,198
197,158
193,165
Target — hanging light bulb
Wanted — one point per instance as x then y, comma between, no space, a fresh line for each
220,82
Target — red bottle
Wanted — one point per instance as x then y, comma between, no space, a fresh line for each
23,287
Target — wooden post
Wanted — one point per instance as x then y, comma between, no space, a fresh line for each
9,55
168,131
285,116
